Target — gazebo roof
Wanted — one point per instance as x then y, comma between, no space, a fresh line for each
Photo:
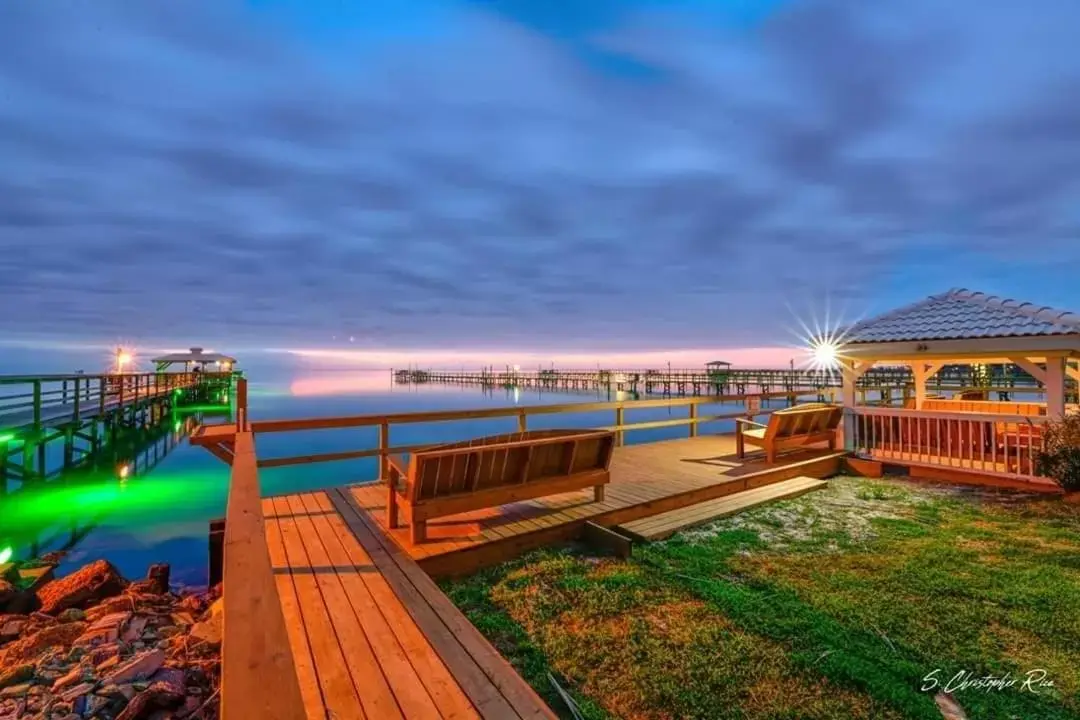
962,314
194,355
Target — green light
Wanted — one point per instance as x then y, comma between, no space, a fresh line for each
7,437
176,428
5,554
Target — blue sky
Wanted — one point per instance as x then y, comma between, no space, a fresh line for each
545,175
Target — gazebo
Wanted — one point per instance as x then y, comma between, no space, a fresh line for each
195,358
960,327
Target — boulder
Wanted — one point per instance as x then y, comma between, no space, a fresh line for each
16,674
159,575
139,667
30,647
8,590
89,584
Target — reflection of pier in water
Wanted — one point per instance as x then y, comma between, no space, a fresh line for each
33,522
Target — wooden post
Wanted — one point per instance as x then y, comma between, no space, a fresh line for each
242,423
619,438
101,396
384,445
78,397
693,420
63,392
1055,387
523,421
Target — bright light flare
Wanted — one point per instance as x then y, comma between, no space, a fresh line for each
825,354
123,472
6,554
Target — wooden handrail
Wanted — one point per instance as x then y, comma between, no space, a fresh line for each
935,414
258,677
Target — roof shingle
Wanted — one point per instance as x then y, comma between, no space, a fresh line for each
962,314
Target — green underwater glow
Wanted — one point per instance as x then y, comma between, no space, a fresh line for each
5,554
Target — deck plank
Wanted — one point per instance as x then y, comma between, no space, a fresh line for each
664,525
294,623
491,683
339,694
403,695
432,672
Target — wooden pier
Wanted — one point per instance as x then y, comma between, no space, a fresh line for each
888,384
342,617
86,411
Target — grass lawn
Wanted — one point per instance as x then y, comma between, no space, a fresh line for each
837,604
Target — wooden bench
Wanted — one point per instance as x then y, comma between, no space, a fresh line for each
793,427
492,471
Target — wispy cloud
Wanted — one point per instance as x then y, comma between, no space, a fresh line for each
514,174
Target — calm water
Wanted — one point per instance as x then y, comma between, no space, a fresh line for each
162,515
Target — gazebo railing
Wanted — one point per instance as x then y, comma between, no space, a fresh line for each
1000,445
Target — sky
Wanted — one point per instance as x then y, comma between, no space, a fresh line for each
534,178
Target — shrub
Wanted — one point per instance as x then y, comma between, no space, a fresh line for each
1060,458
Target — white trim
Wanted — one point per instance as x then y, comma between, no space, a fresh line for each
1030,368
908,350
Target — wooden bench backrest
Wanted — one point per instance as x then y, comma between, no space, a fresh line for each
988,407
800,420
506,460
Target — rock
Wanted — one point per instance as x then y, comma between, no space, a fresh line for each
11,626
135,628
15,675
159,573
139,667
30,647
73,677
110,606
183,619
93,704
71,615
162,694
107,664
15,690
78,691
7,591
93,582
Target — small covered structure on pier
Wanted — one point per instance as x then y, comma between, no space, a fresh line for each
195,358
961,327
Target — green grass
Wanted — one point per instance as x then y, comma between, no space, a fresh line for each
833,605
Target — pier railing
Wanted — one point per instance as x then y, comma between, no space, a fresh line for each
619,409
32,401
988,444
258,677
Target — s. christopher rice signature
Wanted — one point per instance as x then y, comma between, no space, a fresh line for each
1034,681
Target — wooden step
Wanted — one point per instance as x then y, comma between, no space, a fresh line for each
664,525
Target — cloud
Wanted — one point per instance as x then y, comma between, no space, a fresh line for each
639,175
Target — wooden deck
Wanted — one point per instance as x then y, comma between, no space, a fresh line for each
664,525
372,636
646,480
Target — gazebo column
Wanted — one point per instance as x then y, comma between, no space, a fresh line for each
922,372
851,371
1055,387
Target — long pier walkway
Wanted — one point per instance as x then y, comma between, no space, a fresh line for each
86,412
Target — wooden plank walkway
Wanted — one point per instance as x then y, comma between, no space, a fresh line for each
647,479
371,634
664,525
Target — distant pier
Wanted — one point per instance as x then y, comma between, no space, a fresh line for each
886,384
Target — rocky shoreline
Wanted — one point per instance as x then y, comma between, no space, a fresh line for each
92,645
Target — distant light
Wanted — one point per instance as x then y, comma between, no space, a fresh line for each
517,368
826,354
352,339
6,554
124,471
177,427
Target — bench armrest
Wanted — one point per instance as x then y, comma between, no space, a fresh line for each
399,471
747,421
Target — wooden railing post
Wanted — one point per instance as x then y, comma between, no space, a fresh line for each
101,395
384,445
693,420
619,421
78,395
523,422
63,392
242,424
